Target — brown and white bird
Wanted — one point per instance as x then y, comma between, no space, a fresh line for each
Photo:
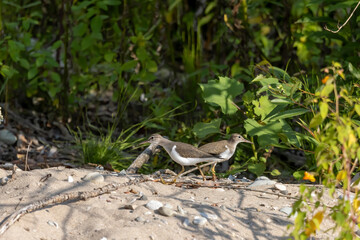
223,150
182,153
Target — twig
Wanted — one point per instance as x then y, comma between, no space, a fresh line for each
339,28
26,158
142,158
61,198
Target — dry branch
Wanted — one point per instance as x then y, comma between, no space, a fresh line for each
142,158
339,28
73,196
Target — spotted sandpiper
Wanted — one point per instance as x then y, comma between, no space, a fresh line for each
223,150
182,153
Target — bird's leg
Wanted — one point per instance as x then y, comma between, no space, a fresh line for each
213,172
174,180
202,174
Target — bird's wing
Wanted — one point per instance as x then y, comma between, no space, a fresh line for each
214,148
189,151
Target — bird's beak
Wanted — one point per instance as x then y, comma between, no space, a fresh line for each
247,141
142,143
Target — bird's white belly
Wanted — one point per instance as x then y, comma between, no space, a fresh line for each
227,154
188,161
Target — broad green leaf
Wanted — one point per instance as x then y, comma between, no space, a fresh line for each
96,24
32,73
130,65
7,71
222,93
323,109
327,90
56,77
14,49
151,66
279,73
204,129
288,114
316,121
263,106
112,2
275,173
298,175
267,134
40,61
24,63
357,109
281,101
80,29
257,168
109,56
248,97
355,72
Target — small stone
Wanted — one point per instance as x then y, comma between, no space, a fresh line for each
209,216
268,220
70,179
262,205
130,206
7,137
262,181
4,180
154,205
94,177
8,166
186,222
280,187
122,172
143,197
168,205
286,210
244,179
103,238
231,177
274,208
165,211
52,223
181,210
284,192
199,220
101,168
139,219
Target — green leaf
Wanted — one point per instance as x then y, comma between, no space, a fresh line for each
130,65
109,56
263,107
288,114
357,109
14,49
112,2
327,90
32,73
222,93
24,63
298,175
275,173
40,61
204,129
355,72
80,29
279,73
151,66
323,109
96,24
267,134
316,121
7,71
257,168
248,97
55,76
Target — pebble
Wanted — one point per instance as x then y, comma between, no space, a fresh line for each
186,222
70,179
103,238
52,223
286,210
209,216
199,220
143,197
154,205
261,181
94,177
165,211
130,206
280,186
7,137
231,177
140,219
244,179
122,172
181,210
4,180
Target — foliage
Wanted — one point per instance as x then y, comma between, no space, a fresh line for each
335,125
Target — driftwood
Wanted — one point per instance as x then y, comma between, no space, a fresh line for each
73,196
143,158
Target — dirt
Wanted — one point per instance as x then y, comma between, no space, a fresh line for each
236,211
